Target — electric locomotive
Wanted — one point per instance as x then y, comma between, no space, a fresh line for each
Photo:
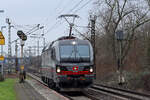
67,63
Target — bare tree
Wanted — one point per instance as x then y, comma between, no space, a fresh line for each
148,2
123,15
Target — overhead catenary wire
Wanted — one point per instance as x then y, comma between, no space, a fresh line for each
76,6
81,26
28,33
68,3
24,27
81,34
82,6
51,28
66,6
68,11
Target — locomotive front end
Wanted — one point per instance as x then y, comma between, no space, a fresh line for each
75,67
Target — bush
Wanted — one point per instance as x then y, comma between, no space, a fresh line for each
138,80
1,77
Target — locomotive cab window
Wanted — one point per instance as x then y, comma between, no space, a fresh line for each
53,55
83,50
75,53
67,51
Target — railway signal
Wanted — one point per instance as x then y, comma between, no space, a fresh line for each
120,38
23,38
21,35
119,35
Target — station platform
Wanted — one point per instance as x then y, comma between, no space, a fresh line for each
33,90
25,91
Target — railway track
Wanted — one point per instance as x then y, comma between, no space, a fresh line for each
76,96
99,92
121,94
71,96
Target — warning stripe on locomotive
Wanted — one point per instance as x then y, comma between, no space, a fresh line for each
73,73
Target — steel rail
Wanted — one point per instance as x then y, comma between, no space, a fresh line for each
37,78
119,93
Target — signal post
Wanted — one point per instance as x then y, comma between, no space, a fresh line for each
93,41
23,38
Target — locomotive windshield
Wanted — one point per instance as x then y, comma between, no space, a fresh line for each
75,53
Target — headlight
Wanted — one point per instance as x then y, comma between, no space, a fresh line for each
74,43
58,70
91,70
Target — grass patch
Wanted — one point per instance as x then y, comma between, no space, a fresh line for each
7,91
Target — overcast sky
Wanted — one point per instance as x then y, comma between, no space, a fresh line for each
25,14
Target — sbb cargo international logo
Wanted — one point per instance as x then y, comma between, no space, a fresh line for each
75,68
